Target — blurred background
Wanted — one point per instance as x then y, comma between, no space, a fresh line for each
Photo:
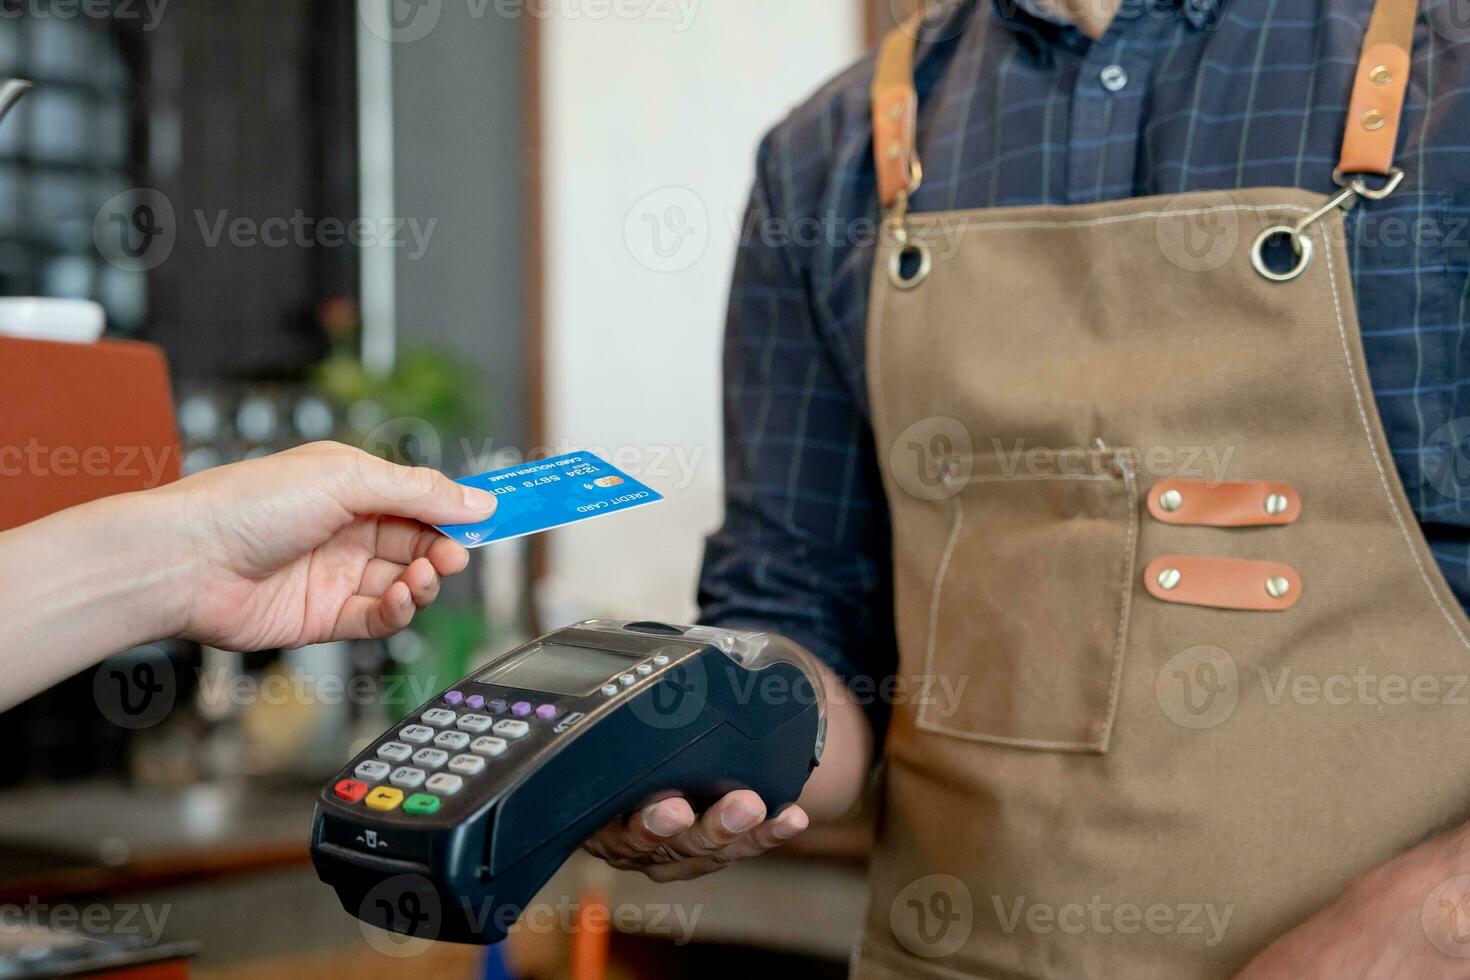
453,232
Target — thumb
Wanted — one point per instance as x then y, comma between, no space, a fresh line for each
375,486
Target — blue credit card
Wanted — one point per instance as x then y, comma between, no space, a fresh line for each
540,495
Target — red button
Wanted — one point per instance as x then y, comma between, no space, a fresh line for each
351,790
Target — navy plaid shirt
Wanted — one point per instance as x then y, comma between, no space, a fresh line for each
1018,108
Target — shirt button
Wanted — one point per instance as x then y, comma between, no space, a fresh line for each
1114,78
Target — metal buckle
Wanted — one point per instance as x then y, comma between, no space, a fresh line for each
1345,199
906,244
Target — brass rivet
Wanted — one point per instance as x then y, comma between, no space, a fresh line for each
1277,586
1380,75
1171,500
895,112
895,151
1169,579
1373,120
1276,504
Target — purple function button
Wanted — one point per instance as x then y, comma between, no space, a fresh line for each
497,707
474,702
521,709
454,697
546,711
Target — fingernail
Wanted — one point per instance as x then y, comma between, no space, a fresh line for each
661,822
478,500
738,818
788,826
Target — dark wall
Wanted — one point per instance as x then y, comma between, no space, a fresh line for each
252,115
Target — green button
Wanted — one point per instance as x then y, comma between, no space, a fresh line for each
421,803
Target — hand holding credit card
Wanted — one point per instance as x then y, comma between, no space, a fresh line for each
539,495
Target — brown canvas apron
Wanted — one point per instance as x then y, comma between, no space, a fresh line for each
1175,661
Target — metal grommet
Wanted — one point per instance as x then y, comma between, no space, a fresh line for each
903,252
1169,579
1276,504
1277,586
1380,75
1171,500
1301,243
1373,120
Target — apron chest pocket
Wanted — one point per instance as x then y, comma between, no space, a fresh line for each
1029,605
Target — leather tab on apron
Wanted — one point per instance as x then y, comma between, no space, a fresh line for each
1379,89
1252,504
895,113
1223,583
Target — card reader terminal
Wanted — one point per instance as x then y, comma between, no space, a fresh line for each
447,825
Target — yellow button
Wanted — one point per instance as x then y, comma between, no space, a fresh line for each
384,798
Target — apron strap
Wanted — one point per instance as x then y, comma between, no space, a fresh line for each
1374,112
1379,90
896,113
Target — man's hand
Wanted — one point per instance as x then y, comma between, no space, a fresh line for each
1405,919
320,543
666,842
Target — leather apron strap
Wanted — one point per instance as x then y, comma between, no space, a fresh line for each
1374,112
